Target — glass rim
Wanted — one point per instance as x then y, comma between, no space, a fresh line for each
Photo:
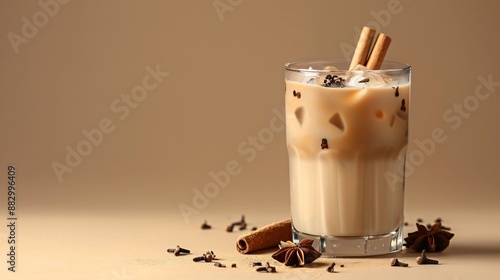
291,66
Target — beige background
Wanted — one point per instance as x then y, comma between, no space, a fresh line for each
225,84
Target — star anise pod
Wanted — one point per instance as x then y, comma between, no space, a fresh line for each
433,240
297,255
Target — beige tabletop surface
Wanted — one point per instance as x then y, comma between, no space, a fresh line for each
134,246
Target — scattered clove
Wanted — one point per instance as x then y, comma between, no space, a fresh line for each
243,226
241,223
439,220
324,143
445,228
271,269
333,81
256,264
198,259
205,225
268,268
218,264
396,262
424,260
207,257
296,94
261,269
331,268
178,250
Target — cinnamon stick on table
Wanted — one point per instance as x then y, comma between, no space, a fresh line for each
363,47
265,237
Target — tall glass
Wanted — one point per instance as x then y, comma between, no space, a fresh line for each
347,135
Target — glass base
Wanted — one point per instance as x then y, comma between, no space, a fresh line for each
357,246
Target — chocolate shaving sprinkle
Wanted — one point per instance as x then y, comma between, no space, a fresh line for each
403,106
364,80
397,92
296,94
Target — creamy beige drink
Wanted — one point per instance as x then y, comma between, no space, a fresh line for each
345,136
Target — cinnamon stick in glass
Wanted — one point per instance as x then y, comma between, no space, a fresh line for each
363,47
378,52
